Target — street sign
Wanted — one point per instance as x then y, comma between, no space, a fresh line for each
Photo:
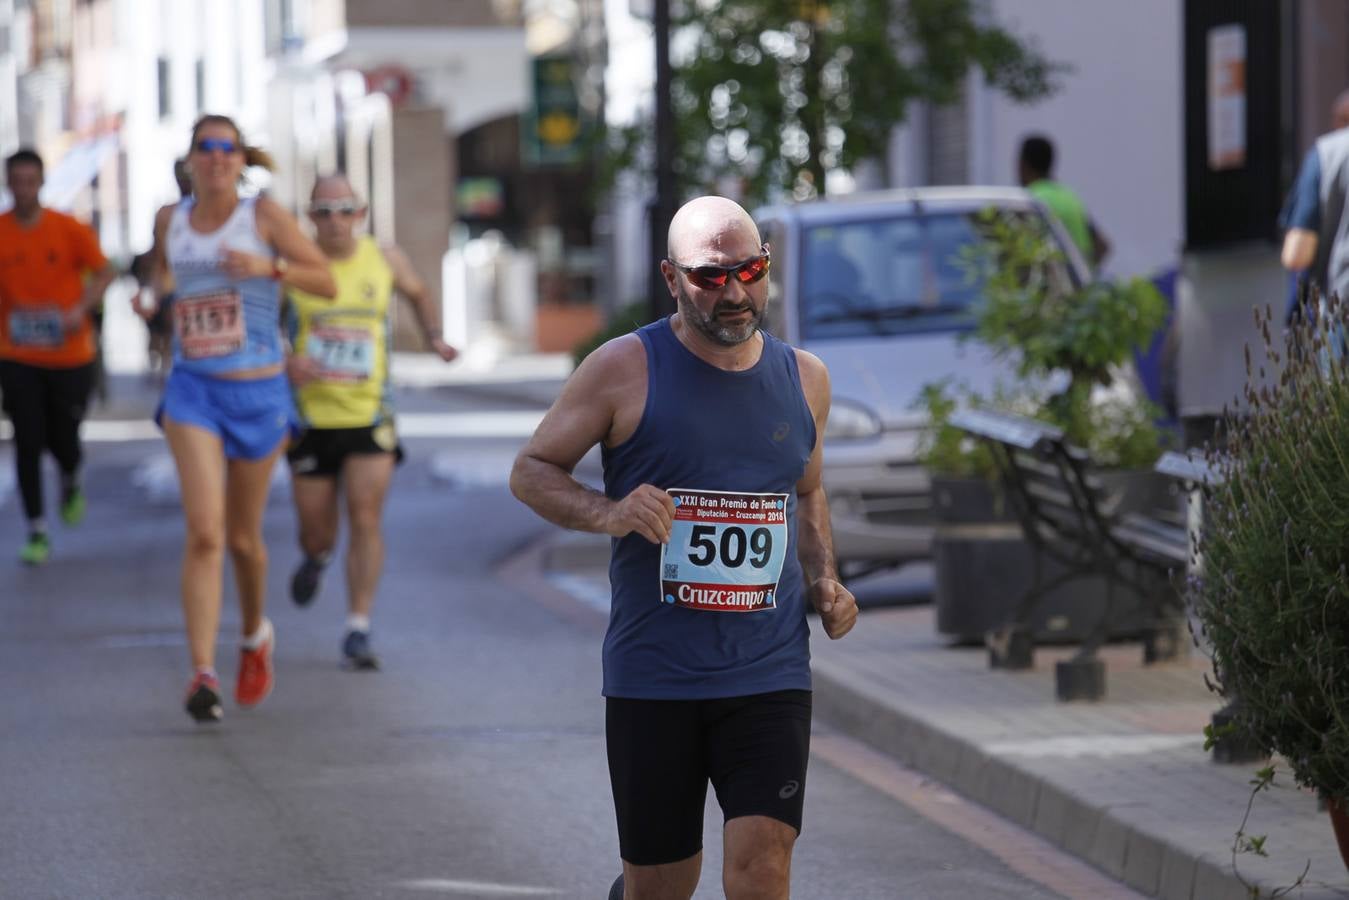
554,130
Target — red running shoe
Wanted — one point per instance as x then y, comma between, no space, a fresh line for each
203,698
255,671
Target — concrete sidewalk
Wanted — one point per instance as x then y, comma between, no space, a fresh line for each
1123,783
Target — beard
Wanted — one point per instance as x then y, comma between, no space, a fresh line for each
709,326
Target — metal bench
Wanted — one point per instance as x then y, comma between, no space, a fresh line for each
1192,472
1068,516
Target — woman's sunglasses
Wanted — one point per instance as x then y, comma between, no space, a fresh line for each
210,145
324,210
711,278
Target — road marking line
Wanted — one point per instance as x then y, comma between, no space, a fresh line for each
474,888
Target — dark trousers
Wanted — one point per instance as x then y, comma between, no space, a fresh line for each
46,407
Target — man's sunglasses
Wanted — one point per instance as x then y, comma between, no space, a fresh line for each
210,145
324,210
711,278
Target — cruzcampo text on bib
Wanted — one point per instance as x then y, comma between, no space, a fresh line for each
726,551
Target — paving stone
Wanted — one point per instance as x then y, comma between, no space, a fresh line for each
1215,881
1052,809
1109,845
1143,862
1176,881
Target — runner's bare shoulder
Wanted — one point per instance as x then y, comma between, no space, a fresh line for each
619,363
612,376
162,217
814,380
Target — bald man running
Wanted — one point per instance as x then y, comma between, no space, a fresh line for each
711,433
340,368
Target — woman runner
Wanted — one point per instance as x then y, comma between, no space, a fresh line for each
226,408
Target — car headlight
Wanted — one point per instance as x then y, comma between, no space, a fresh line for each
851,422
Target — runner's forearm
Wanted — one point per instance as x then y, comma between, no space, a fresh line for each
426,318
558,497
312,278
815,537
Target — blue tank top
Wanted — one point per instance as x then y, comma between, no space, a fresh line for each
221,325
706,429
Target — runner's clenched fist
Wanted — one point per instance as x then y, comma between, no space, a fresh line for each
836,605
648,510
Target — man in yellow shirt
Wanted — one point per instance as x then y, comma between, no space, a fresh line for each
52,278
339,365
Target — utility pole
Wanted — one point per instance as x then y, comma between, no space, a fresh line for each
662,206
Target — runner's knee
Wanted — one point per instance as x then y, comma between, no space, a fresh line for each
751,876
244,544
204,540
365,519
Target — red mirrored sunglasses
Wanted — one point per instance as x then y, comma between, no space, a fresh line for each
711,278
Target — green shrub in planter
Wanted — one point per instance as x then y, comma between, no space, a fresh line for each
944,449
1272,597
1032,314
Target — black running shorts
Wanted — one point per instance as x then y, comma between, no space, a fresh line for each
662,754
320,452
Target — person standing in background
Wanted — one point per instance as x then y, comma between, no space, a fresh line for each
1035,169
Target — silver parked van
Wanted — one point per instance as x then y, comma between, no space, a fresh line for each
872,284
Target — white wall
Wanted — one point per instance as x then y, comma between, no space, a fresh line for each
9,83
1116,124
229,37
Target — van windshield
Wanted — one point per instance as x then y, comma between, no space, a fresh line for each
888,276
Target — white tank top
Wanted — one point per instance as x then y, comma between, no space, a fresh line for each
221,325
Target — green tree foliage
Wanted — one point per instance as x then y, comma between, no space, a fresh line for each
777,92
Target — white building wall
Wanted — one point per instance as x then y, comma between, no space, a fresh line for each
1116,123
628,82
229,39
9,81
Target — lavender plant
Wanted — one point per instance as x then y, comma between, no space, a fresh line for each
1272,591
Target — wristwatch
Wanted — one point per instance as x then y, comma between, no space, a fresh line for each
279,268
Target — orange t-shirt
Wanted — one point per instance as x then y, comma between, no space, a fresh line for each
42,274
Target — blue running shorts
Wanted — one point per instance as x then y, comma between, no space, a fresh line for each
250,417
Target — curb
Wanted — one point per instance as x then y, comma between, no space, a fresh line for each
1094,834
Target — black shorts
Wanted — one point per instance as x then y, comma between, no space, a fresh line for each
320,452
662,754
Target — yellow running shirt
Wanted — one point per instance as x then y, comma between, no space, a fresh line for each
350,338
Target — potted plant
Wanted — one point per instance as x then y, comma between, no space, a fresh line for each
1068,343
1272,595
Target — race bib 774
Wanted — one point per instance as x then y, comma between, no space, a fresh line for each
726,551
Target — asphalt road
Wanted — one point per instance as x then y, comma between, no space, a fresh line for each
471,766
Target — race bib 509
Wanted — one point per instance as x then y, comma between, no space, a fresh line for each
726,551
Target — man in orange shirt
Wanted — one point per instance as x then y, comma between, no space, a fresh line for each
52,276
